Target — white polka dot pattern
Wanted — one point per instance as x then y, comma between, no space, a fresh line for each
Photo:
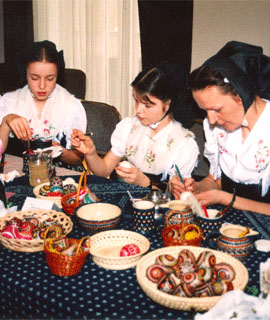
29,290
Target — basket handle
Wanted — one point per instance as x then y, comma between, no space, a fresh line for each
172,213
47,231
194,226
83,175
80,244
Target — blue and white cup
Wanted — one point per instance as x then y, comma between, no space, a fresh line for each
143,216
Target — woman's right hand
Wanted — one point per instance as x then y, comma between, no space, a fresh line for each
19,126
82,142
177,187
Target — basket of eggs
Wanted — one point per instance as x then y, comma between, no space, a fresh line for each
55,189
65,256
181,234
73,200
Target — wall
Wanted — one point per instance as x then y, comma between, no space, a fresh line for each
2,53
216,22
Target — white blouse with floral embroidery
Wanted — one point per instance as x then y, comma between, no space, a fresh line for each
245,162
157,155
61,113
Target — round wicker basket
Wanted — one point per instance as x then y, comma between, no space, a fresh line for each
174,234
42,215
176,302
56,200
106,246
62,265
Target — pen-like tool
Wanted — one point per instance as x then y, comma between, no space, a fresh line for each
179,174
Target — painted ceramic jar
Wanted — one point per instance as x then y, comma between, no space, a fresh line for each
235,240
185,214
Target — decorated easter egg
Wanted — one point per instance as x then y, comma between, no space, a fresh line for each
34,221
207,274
171,233
89,198
69,188
8,232
44,190
56,181
180,292
60,243
56,189
155,272
55,194
192,279
69,181
166,260
167,284
24,235
55,231
206,259
186,262
221,286
205,290
224,271
129,250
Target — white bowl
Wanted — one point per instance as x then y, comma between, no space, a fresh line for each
98,216
106,246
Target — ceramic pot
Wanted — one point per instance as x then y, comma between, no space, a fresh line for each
185,213
230,240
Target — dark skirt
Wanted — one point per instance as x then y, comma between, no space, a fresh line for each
3,194
249,191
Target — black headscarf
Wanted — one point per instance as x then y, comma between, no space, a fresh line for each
246,68
183,105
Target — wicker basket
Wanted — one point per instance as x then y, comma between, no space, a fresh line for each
62,265
70,207
176,302
37,244
106,246
56,200
174,235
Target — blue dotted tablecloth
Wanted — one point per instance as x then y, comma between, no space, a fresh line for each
28,290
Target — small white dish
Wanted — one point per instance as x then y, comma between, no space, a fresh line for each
262,245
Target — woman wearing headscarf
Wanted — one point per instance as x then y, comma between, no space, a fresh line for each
42,111
154,140
233,87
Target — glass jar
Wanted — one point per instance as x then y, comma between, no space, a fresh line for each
38,169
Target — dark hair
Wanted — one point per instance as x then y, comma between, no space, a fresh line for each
37,52
204,76
168,82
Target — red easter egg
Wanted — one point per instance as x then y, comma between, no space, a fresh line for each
129,250
54,194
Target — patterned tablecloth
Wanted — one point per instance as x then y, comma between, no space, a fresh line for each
29,290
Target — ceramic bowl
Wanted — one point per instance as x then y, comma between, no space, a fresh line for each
100,216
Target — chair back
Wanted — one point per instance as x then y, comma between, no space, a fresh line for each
102,119
74,81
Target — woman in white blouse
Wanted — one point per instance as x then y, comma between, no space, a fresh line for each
153,141
233,87
42,111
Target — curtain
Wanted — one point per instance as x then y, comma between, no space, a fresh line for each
100,37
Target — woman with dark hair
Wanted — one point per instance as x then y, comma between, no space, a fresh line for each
42,111
153,142
233,87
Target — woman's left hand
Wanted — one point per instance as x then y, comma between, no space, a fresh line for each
133,175
213,196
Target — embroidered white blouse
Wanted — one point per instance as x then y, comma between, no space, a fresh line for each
157,155
243,162
61,113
